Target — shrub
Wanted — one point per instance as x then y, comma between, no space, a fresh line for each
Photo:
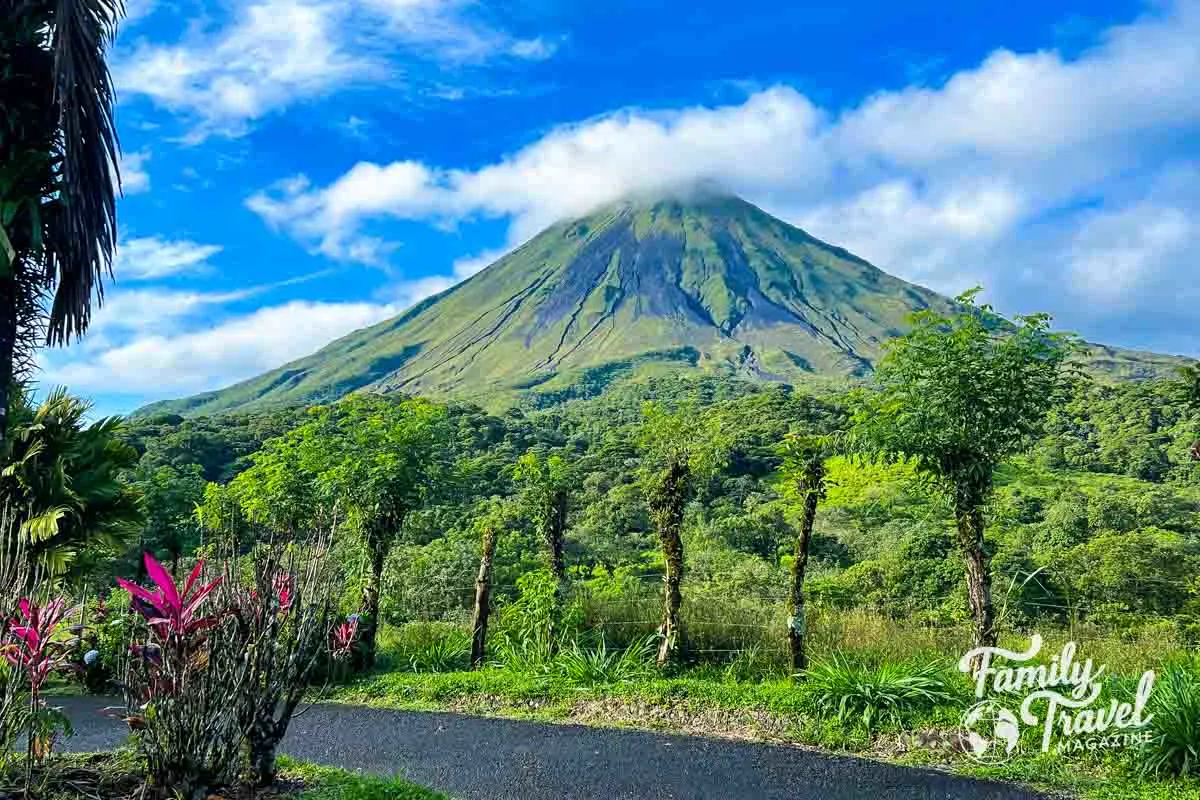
446,654
851,691
424,647
284,620
1175,726
180,683
602,665
101,639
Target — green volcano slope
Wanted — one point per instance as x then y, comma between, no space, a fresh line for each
712,284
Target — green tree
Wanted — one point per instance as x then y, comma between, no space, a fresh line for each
58,175
376,459
804,466
958,395
170,496
64,477
1189,386
679,448
545,482
545,487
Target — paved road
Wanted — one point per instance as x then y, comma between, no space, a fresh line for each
476,758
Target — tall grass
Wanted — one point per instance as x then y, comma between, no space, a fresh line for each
600,664
1175,726
871,694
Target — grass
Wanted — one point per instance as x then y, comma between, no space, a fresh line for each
327,783
850,691
117,776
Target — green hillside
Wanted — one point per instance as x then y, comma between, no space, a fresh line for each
711,285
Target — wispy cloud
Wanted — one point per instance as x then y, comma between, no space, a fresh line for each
152,258
132,169
164,364
938,184
271,54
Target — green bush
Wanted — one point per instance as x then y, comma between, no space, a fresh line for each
424,647
598,665
1175,726
850,691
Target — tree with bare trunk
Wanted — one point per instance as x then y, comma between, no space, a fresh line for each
680,448
957,396
804,465
377,459
58,176
488,525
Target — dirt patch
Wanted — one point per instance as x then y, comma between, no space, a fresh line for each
743,724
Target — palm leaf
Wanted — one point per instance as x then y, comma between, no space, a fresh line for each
84,217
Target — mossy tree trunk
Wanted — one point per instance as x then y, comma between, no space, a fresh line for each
483,598
968,514
379,544
811,490
667,503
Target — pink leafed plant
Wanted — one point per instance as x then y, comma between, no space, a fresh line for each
284,588
169,611
33,648
342,639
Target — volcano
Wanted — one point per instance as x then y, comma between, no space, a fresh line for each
705,284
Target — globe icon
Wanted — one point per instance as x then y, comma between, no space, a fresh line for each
992,732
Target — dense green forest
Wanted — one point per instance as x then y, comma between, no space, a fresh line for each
1099,523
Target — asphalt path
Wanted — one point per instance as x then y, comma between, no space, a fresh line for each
477,758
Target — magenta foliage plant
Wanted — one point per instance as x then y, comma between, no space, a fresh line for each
33,647
33,651
179,681
168,611
343,638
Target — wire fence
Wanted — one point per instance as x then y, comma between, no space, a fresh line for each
724,622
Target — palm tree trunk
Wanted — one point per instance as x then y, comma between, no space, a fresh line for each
796,622
8,346
968,513
483,597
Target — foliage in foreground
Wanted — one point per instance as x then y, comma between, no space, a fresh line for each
1175,704
847,690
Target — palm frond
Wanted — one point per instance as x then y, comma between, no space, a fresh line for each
84,210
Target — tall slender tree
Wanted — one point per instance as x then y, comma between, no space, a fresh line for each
804,464
680,448
58,176
958,395
375,458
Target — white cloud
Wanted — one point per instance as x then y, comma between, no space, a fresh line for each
151,258
936,184
160,365
132,169
273,53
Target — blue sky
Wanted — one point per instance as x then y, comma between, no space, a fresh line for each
297,169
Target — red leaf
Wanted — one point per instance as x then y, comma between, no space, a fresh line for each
202,593
142,594
166,584
196,570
